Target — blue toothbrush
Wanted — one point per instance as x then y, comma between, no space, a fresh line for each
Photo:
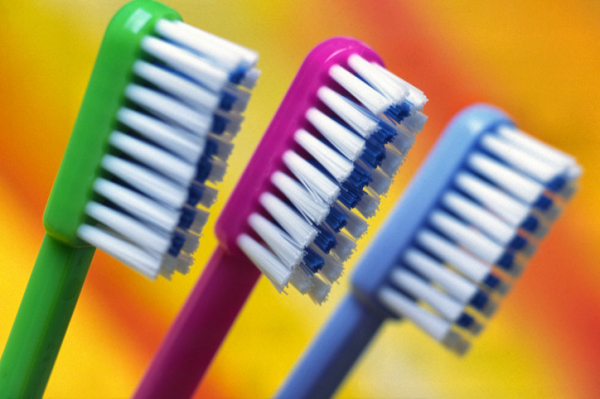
456,241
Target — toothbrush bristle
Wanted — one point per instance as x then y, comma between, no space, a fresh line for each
346,152
479,234
171,142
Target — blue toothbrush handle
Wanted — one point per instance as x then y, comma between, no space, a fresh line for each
332,355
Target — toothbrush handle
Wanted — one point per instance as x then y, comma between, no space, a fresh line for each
199,328
333,353
43,318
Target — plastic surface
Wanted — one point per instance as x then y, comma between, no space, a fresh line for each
374,267
200,328
63,260
43,318
202,317
422,195
279,137
104,96
337,348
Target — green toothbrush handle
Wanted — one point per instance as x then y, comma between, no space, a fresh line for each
43,318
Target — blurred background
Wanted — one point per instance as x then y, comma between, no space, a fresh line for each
538,60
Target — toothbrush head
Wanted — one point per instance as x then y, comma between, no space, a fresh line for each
331,150
466,226
155,126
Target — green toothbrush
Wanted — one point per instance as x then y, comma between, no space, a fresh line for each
153,133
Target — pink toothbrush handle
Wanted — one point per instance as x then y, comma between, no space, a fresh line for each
200,327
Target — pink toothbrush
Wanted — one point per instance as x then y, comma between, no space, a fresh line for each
338,138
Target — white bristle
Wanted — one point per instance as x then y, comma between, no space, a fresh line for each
457,286
345,246
181,60
185,86
355,225
415,121
301,280
138,205
382,82
344,140
437,328
170,109
288,252
481,218
268,263
209,195
471,267
224,147
404,141
521,187
161,161
541,150
181,143
521,160
217,171
415,96
332,268
147,181
310,206
136,232
302,232
314,181
319,290
339,167
362,123
392,162
135,257
420,289
369,97
184,89
224,56
502,204
250,57
381,182
369,204
466,236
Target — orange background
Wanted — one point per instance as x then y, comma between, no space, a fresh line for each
538,60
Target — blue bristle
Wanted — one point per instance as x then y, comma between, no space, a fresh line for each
384,133
491,281
398,112
373,154
210,149
312,260
506,261
219,124
203,170
358,179
187,217
177,242
479,300
336,219
325,240
348,197
517,243
227,101
237,75
194,195
543,203
465,321
557,183
530,224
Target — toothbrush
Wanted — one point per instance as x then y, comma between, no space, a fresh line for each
452,247
152,135
339,136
